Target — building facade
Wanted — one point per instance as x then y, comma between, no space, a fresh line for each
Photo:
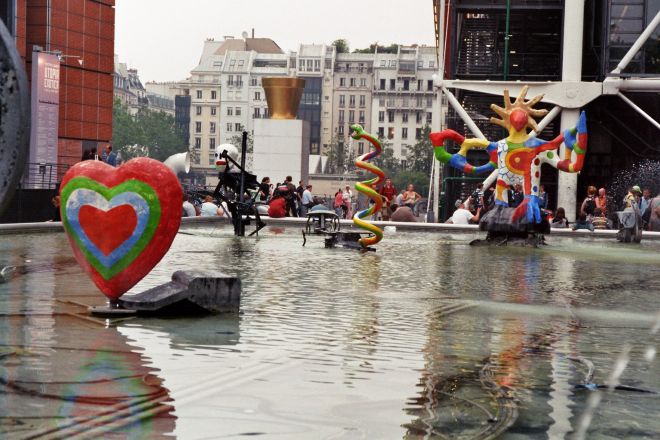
82,35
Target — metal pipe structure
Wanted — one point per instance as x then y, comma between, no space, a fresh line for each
571,70
463,114
639,110
437,125
638,44
506,40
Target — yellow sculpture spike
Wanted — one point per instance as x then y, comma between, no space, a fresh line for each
519,103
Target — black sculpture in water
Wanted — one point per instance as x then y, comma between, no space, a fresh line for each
14,117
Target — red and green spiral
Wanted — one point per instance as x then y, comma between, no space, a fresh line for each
368,187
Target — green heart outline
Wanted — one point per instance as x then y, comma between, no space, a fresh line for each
136,186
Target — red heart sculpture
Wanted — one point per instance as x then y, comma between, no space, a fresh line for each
120,221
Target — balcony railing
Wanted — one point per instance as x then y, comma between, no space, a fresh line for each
43,175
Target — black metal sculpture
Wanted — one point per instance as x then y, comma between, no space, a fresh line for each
232,187
14,117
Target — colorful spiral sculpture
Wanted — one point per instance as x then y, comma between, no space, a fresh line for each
368,187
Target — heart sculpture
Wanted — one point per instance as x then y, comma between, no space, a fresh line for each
120,221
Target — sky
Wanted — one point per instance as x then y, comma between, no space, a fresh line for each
163,39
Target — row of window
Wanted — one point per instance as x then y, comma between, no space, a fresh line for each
200,94
351,100
352,82
310,66
405,84
404,132
420,64
419,116
406,102
351,116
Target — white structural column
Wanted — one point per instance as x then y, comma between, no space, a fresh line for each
571,70
438,123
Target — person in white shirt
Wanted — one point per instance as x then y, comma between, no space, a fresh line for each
209,209
348,201
463,217
188,208
307,201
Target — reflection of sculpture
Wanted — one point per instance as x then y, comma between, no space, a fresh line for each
368,186
518,157
120,221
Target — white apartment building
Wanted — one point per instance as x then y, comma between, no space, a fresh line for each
352,96
403,97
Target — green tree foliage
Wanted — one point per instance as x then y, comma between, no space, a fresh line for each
155,132
392,48
420,155
341,45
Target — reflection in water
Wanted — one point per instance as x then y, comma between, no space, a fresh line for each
331,343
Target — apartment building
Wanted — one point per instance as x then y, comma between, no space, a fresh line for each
353,84
403,99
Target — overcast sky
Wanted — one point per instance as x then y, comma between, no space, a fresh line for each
163,39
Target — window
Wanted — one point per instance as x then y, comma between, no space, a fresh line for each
229,126
266,113
232,63
239,81
212,143
342,82
381,116
360,148
420,64
406,102
382,63
351,116
392,84
309,65
382,84
214,111
342,100
361,121
257,96
404,152
418,133
238,111
212,127
381,132
253,81
317,65
419,84
381,102
390,132
429,102
199,94
238,127
406,84
230,80
351,101
363,82
198,110
198,142
352,82
214,94
302,64
340,130
198,127
257,113
390,116
429,84
404,133
392,63
230,111
432,64
241,63
418,117
429,117
418,101
363,100
341,116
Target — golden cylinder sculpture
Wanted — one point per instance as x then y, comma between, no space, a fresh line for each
283,95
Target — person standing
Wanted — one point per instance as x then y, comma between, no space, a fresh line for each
299,193
109,156
410,197
645,200
589,203
388,192
654,219
340,209
601,201
543,197
306,201
264,190
347,197
516,196
291,197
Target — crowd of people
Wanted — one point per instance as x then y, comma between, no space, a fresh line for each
595,210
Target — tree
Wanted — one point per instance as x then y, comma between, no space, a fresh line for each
148,133
237,141
420,155
386,160
392,48
341,45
